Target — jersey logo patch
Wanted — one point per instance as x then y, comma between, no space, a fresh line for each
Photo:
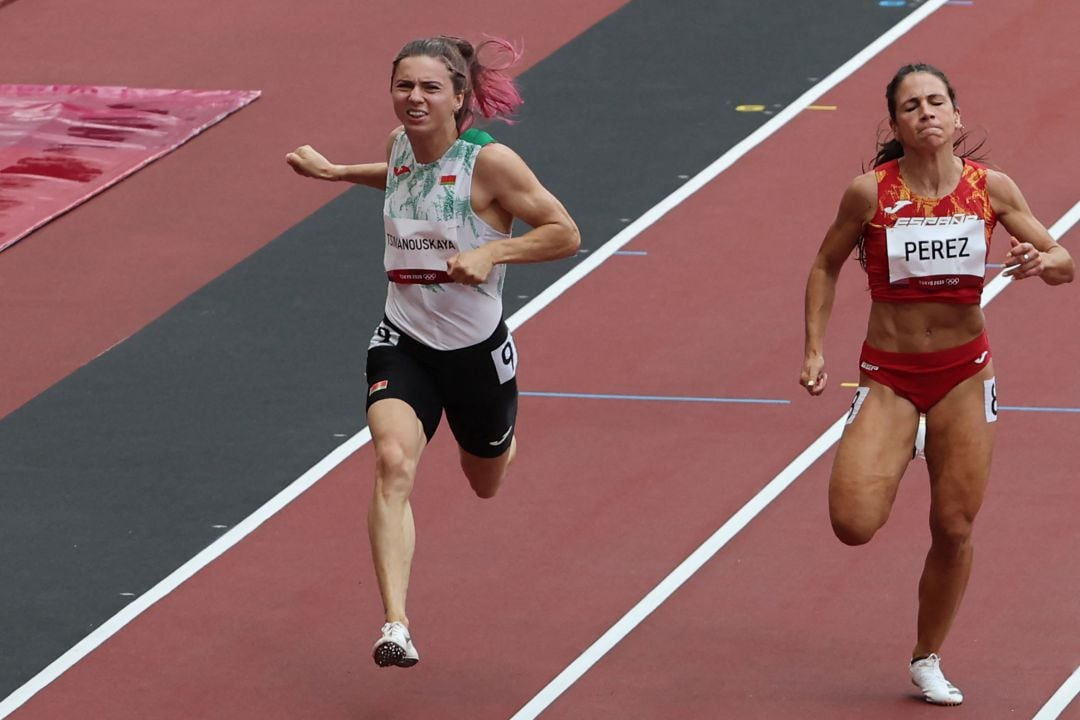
401,170
899,204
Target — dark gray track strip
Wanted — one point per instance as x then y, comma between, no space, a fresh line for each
130,466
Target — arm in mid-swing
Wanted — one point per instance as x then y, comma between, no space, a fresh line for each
1033,252
505,188
857,208
307,161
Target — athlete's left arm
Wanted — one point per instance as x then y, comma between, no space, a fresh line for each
1033,250
505,188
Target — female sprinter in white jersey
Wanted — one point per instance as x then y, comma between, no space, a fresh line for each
451,194
922,220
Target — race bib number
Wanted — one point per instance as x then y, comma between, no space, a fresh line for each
990,399
945,248
505,359
385,336
856,404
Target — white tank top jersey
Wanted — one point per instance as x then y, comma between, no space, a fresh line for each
428,218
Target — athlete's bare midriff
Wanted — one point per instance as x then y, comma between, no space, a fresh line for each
923,326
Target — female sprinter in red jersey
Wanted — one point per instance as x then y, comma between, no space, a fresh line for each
451,195
922,220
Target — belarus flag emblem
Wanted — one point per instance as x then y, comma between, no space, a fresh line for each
381,385
448,179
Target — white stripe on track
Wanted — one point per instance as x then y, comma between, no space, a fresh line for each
729,529
721,164
737,522
1067,692
679,575
1061,699
538,303
234,535
84,647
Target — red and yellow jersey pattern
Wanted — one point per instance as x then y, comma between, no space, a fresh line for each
919,249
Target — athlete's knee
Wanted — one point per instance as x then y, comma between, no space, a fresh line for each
952,531
855,521
485,480
854,530
486,475
395,469
486,488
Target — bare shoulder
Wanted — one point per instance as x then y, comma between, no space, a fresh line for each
1000,184
394,134
1005,195
864,186
497,163
498,156
860,197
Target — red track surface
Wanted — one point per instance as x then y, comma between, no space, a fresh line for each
608,497
95,276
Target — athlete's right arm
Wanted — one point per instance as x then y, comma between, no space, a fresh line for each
857,207
307,161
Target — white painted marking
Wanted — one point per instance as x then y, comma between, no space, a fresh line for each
737,522
679,575
113,625
720,165
1057,230
1061,699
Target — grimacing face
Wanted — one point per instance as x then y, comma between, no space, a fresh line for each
925,115
423,93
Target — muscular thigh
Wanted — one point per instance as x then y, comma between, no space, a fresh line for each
397,369
959,443
480,390
874,450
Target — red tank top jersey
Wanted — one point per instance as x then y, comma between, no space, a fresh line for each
925,249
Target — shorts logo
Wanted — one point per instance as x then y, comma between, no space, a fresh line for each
868,367
982,358
501,440
896,208
381,385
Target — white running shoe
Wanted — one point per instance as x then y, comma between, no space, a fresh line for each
395,647
926,675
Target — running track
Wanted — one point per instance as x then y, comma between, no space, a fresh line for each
610,495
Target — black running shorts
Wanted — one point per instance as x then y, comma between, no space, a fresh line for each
476,386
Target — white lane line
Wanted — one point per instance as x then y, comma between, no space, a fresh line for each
679,575
16,699
545,298
721,164
777,485
1061,699
1067,692
1057,230
114,624
729,529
